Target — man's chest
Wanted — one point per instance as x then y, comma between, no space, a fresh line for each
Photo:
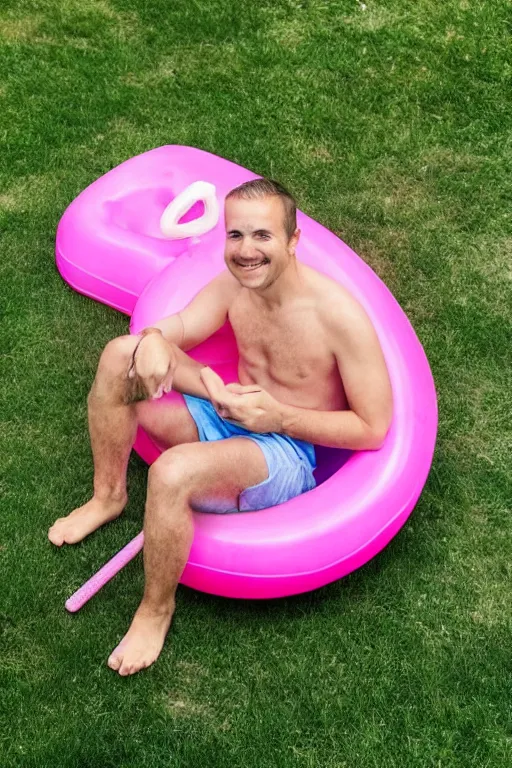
289,344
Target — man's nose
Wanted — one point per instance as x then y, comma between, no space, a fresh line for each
246,248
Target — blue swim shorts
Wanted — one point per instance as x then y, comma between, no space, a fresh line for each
290,462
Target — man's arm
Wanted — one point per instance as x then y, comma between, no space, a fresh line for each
366,382
205,314
199,320
336,429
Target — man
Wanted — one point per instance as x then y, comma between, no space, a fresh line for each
311,370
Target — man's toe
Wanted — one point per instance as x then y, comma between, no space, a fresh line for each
55,537
114,661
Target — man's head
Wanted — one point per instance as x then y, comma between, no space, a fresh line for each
261,232
258,189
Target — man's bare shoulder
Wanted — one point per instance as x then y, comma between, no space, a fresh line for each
356,346
208,310
336,306
224,287
226,281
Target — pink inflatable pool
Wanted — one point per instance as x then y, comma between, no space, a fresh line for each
110,246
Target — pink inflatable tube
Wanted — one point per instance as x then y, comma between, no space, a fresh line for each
109,246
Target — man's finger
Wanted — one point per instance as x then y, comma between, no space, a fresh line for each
159,392
217,390
210,388
241,389
236,423
211,391
168,380
211,379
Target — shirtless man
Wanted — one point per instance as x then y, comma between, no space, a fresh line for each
311,370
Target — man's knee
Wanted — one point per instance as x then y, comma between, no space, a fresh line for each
111,376
176,469
117,355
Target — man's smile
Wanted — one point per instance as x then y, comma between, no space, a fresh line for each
249,266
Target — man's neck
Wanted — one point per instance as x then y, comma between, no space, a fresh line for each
285,289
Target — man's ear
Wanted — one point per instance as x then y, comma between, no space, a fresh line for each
294,239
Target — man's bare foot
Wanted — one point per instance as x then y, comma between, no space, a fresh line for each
84,520
143,642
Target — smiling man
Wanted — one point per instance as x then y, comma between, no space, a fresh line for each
311,370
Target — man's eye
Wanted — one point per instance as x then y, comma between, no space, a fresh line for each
234,235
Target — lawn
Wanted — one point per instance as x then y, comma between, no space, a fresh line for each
391,122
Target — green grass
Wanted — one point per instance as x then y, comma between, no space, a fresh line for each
391,122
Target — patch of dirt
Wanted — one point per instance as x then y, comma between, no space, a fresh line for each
370,17
380,261
289,32
20,30
321,153
185,707
22,193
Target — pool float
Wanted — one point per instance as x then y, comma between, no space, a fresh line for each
110,246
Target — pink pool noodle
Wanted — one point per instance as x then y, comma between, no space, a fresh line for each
107,572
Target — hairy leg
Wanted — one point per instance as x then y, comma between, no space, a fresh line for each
182,479
112,427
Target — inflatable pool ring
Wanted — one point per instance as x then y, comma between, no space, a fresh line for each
110,246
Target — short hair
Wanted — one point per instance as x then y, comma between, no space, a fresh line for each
260,188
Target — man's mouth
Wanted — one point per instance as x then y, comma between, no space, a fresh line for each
248,266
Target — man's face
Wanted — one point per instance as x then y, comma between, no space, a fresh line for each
257,247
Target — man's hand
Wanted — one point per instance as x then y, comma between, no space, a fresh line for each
246,406
152,369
